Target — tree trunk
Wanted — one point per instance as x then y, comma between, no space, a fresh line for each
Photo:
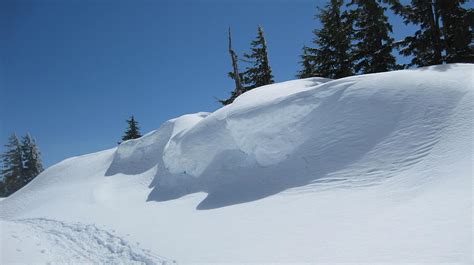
436,33
238,82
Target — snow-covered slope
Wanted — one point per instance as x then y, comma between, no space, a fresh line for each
371,168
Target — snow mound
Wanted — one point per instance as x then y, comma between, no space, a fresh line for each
294,133
354,131
377,168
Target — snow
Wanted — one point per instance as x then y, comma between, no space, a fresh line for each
43,239
373,168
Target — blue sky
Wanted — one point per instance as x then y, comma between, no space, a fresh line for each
71,72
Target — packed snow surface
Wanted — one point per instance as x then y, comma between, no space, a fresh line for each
371,168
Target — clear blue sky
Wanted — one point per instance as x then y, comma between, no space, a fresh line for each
71,71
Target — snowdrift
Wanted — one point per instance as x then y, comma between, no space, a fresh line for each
291,167
294,133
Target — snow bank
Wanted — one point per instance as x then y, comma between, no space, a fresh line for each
294,133
371,168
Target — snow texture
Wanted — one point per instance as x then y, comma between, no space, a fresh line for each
57,242
366,169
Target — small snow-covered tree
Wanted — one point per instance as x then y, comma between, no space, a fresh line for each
133,131
31,158
12,165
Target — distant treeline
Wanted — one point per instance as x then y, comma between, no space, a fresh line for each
355,38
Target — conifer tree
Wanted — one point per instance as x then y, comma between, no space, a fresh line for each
373,48
457,31
260,73
235,75
444,33
2,188
307,63
425,45
333,42
31,158
133,131
12,165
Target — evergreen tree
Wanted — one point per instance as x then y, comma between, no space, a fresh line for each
333,42
260,73
12,163
444,28
2,189
308,63
457,31
31,158
133,131
426,44
373,48
235,75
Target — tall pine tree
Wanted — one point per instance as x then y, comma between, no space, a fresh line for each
333,42
12,165
133,131
260,73
308,63
457,31
31,158
373,48
425,45
445,33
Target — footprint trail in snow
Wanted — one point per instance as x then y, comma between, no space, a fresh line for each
50,242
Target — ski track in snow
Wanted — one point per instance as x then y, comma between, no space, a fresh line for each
81,243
